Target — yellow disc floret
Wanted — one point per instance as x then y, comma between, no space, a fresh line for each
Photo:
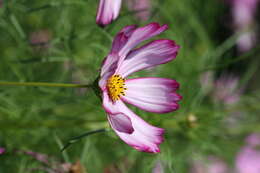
116,87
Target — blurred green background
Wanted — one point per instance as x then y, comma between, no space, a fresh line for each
58,41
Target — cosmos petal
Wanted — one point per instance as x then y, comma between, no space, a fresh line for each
122,38
108,69
138,35
144,137
108,11
152,54
152,94
121,123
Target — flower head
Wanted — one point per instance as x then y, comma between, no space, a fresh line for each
210,165
243,13
108,11
158,168
51,164
206,81
150,94
248,158
142,8
226,90
38,156
40,40
2,150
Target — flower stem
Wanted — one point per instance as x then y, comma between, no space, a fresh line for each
77,138
44,84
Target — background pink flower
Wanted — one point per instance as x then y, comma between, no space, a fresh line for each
248,158
158,168
142,8
243,13
2,150
226,90
211,165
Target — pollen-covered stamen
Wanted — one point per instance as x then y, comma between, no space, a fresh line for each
116,87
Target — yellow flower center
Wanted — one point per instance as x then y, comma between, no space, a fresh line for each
116,87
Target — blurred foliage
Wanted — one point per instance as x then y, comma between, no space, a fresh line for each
70,49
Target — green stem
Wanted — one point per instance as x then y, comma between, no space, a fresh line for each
44,84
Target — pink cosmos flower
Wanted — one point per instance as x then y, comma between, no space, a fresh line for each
51,164
40,40
206,81
108,11
2,150
38,156
243,12
211,165
158,168
143,8
226,90
248,158
150,94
